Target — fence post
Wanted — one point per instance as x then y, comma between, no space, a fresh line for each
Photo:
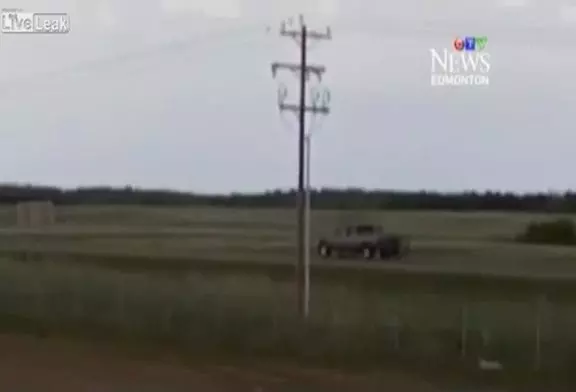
40,299
540,307
486,344
78,311
395,324
120,302
168,314
464,330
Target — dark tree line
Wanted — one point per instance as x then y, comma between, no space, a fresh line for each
321,199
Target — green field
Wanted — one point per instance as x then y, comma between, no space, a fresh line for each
226,275
467,242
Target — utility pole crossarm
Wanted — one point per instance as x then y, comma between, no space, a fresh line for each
318,70
297,34
311,109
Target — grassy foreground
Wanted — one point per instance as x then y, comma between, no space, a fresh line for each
220,281
251,315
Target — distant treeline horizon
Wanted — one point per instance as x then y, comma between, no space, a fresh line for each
321,198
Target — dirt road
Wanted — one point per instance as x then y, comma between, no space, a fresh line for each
29,364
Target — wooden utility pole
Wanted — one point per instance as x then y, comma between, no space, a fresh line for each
303,70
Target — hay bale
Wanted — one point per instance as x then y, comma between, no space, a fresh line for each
32,214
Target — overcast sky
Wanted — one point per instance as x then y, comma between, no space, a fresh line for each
166,94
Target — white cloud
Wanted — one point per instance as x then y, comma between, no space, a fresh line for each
227,9
328,8
512,3
568,13
105,14
177,6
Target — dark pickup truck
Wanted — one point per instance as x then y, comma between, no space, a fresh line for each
369,241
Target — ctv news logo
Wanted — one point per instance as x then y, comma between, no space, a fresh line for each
465,64
17,21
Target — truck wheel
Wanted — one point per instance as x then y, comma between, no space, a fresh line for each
324,251
384,253
368,253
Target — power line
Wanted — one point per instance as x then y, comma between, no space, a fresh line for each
137,55
302,35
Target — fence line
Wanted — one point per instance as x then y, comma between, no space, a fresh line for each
522,333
